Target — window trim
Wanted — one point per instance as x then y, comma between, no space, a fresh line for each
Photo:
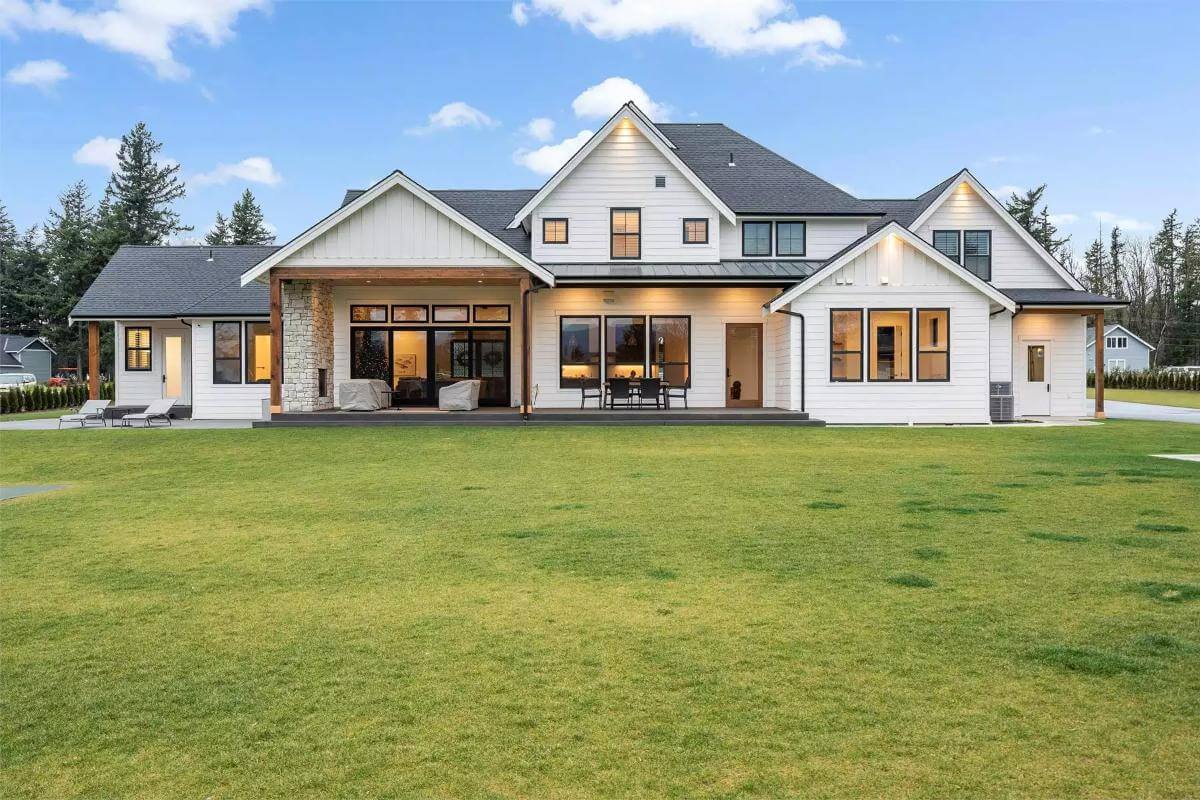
963,249
958,234
770,237
149,348
917,346
423,321
650,344
862,359
599,353
241,356
386,314
465,320
566,221
804,240
604,342
686,220
871,346
507,313
613,234
246,346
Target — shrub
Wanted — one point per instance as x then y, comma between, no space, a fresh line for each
1148,379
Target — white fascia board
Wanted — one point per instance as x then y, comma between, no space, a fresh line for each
396,178
966,177
648,129
893,228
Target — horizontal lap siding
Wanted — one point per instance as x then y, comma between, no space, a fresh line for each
1068,374
140,388
1001,347
822,237
220,401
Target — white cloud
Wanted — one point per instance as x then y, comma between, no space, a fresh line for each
822,58
893,38
1124,223
546,160
540,128
100,151
43,74
1096,130
1002,192
847,188
207,94
145,29
454,115
602,100
725,27
256,169
1063,219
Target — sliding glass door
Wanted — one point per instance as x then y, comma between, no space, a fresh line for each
417,362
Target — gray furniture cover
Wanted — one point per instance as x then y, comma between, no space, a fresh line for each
361,394
461,396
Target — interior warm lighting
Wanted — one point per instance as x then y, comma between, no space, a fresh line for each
575,371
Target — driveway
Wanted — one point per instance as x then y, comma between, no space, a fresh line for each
1119,410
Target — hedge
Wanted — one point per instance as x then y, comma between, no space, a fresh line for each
1148,379
48,398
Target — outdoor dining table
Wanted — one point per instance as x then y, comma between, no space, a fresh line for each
635,388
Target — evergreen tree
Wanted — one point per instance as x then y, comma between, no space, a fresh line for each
1095,267
73,264
1025,210
1116,254
1165,260
219,233
1187,298
137,201
246,224
24,283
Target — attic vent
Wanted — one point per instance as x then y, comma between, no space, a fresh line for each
660,181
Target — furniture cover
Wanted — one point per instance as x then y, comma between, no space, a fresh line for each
461,396
361,394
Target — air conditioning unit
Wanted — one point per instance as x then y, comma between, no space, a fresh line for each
1000,401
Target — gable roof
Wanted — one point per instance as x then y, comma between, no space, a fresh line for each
865,243
1110,329
490,209
905,211
395,179
664,145
11,343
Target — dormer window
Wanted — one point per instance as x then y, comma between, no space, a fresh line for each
554,230
626,226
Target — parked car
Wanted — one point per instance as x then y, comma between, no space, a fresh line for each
16,380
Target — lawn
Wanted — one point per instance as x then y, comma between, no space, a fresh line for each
1162,397
602,612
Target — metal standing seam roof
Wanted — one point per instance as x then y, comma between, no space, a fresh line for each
784,271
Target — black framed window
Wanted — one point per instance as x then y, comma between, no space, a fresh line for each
485,313
977,253
947,243
889,334
756,238
454,313
845,344
790,238
671,349
626,227
227,352
258,352
554,230
695,231
933,344
410,313
368,313
624,347
138,355
578,351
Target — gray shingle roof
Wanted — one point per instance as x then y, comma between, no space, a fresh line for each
1060,297
173,281
9,359
11,343
783,271
906,212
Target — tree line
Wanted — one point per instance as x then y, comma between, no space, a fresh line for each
1159,275
45,269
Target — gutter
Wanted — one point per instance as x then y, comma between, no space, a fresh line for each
803,350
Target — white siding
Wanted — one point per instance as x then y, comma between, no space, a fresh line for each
913,281
1000,361
138,388
220,401
823,237
1067,334
709,309
1014,262
620,172
397,229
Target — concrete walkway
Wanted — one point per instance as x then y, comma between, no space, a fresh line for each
9,492
179,425
1120,410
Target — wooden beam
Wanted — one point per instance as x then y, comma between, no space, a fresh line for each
526,346
276,343
400,276
1099,364
93,365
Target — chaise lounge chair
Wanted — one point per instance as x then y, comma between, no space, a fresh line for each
91,411
158,409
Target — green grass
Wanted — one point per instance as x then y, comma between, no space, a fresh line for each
55,414
612,612
1162,397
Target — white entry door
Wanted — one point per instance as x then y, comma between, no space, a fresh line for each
1035,379
176,376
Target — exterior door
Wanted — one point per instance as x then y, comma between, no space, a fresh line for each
1035,378
176,374
743,364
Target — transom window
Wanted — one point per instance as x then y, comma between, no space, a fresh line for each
845,344
410,313
695,231
626,224
554,230
977,253
947,243
789,238
756,238
368,313
137,349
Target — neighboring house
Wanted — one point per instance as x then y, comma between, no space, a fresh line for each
26,354
1124,350
680,249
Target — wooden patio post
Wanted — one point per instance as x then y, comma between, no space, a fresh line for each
93,360
1099,323
276,344
526,335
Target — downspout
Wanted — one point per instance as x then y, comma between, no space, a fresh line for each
803,351
526,355
191,367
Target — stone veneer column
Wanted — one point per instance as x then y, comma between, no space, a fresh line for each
307,345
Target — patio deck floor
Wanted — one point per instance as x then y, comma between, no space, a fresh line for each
544,416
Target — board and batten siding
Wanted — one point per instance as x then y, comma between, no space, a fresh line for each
1067,334
822,237
137,387
1000,356
619,173
397,229
709,308
1014,263
913,281
221,401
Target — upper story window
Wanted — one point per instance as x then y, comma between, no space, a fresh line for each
626,224
695,231
554,230
789,238
756,238
977,253
1116,342
947,243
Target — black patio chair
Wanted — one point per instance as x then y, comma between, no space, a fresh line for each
679,392
650,389
619,389
589,388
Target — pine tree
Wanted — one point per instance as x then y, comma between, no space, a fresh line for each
73,264
1095,267
137,201
1116,254
219,233
1165,260
1187,298
246,224
24,281
1024,210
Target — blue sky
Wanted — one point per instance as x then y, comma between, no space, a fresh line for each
300,100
